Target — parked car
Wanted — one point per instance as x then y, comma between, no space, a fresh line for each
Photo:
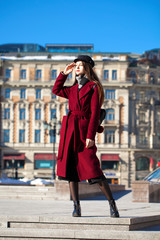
153,176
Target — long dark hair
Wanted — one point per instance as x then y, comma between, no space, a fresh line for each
92,76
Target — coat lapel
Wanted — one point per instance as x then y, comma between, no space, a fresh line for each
85,89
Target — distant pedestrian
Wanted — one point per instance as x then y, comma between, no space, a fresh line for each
77,160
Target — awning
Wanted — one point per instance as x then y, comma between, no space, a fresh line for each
14,156
43,156
110,157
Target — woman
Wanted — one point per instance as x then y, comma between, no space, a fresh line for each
77,160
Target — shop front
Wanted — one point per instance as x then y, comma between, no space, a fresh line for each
13,164
110,167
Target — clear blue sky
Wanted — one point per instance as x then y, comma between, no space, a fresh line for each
111,25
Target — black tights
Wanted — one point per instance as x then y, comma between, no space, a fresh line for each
74,191
104,186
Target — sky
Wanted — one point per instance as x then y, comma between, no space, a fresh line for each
110,25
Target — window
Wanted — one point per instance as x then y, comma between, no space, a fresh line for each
158,135
43,164
109,94
142,116
53,74
38,74
38,114
44,160
151,78
6,135
114,74
109,136
53,113
37,136
53,96
18,163
21,135
110,114
142,138
158,117
23,93
110,165
38,93
22,114
142,96
133,76
6,113
8,73
69,76
23,74
7,93
142,164
106,75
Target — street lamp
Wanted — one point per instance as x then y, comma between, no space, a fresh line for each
13,168
52,127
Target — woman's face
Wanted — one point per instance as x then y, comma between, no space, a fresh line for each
79,68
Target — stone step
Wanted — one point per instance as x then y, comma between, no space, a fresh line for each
83,223
60,191
27,193
37,234
26,188
29,197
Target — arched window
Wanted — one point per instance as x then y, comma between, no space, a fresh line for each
142,164
110,114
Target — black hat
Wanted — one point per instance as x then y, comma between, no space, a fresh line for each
85,58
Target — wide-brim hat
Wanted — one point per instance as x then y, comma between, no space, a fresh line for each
85,58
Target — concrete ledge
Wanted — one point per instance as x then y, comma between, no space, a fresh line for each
144,191
75,234
83,223
85,190
60,191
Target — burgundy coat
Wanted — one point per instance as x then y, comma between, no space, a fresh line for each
82,121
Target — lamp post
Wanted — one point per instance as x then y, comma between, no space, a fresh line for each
17,166
13,168
54,128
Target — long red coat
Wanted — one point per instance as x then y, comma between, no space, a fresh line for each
82,121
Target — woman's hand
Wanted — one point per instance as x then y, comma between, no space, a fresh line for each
69,68
89,143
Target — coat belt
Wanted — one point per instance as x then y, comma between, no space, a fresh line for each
79,114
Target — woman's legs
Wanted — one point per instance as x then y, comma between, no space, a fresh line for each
75,197
104,186
74,191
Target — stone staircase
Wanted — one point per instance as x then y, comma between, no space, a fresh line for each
60,191
41,227
27,192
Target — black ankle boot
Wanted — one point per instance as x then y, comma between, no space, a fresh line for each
113,209
77,209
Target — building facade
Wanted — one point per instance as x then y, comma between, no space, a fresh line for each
128,148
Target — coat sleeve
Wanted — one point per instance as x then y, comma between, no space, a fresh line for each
95,115
59,89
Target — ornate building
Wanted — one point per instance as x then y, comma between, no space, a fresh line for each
129,146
